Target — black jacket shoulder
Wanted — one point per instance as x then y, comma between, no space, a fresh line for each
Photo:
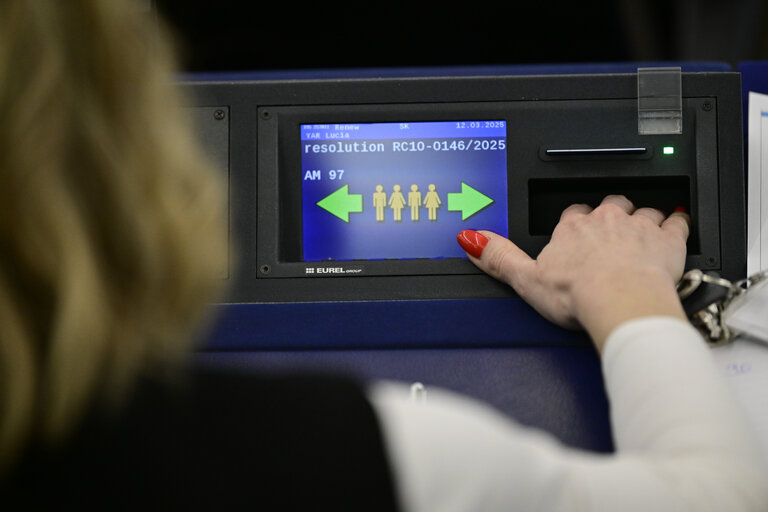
224,441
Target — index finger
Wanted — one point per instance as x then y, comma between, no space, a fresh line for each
502,259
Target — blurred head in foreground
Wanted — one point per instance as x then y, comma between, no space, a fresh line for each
111,221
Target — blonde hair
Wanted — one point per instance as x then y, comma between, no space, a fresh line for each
111,221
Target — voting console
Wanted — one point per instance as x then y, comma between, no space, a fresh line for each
346,196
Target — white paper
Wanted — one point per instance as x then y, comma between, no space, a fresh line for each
748,312
744,363
757,184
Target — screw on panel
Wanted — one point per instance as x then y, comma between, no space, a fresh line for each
265,269
219,114
707,106
265,114
711,261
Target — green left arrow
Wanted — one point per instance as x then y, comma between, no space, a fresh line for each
341,203
469,201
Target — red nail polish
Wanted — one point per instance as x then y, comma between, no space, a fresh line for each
472,242
680,209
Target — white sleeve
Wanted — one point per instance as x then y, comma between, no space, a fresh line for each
681,441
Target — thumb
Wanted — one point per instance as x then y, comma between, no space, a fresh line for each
497,256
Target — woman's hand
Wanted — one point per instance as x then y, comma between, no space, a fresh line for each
601,268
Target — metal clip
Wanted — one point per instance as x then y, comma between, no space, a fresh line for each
709,322
752,280
708,318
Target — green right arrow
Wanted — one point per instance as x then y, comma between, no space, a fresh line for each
341,203
469,201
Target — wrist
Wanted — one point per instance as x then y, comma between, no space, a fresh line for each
609,300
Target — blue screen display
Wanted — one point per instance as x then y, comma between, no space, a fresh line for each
373,191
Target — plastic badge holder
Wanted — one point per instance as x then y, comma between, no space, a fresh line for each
659,101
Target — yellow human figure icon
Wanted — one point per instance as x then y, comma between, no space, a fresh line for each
379,202
414,201
397,203
432,202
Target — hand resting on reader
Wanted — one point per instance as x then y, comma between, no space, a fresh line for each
602,267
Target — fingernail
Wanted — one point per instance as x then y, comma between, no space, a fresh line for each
680,209
472,242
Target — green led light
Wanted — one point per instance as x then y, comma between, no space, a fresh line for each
669,150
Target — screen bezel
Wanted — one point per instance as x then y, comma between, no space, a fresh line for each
279,130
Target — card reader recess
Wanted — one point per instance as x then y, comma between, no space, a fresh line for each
548,197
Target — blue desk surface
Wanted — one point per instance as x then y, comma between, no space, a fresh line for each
557,389
541,375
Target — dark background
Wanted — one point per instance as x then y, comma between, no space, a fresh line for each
224,35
